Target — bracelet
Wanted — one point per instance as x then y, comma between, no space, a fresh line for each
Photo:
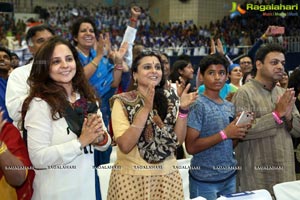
276,117
264,36
95,65
3,148
119,67
183,111
139,127
104,141
182,115
223,135
133,20
277,114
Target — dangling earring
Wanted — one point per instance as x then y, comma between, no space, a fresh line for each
135,83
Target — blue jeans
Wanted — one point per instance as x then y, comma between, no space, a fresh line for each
211,191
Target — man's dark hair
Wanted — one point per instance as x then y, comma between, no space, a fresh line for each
32,31
7,51
14,54
184,57
264,50
213,60
244,56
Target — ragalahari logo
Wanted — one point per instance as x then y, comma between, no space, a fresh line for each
236,10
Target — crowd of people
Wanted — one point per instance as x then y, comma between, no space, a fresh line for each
82,94
175,38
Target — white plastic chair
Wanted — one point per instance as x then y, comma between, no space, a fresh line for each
249,195
287,190
104,172
184,172
198,198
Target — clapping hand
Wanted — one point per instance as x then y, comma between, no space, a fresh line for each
149,97
214,49
186,99
118,56
103,45
91,129
180,86
285,104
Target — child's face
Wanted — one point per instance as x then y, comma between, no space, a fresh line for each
215,77
187,73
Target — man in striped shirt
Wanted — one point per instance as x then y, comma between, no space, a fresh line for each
266,154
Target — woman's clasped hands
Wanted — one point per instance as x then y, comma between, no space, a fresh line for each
92,130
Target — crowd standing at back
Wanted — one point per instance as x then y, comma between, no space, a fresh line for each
62,100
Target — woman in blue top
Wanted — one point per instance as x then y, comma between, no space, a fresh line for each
103,67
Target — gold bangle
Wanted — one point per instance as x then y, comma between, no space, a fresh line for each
95,65
264,36
3,148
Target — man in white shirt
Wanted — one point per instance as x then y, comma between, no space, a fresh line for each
17,88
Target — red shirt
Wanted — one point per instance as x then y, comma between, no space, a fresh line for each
11,136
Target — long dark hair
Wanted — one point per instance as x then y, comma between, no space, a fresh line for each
160,100
178,65
42,86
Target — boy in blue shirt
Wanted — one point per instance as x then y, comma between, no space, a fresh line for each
210,134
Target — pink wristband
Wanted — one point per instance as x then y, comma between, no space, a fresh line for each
223,135
276,118
181,115
118,67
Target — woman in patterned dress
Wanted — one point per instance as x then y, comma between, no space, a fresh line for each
149,123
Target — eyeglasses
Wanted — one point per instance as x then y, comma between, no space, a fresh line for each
246,62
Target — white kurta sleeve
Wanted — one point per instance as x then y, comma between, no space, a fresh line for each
129,36
108,143
17,91
39,126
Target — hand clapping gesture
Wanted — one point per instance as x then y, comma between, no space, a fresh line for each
149,97
92,128
285,104
180,86
214,49
186,99
118,55
103,45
